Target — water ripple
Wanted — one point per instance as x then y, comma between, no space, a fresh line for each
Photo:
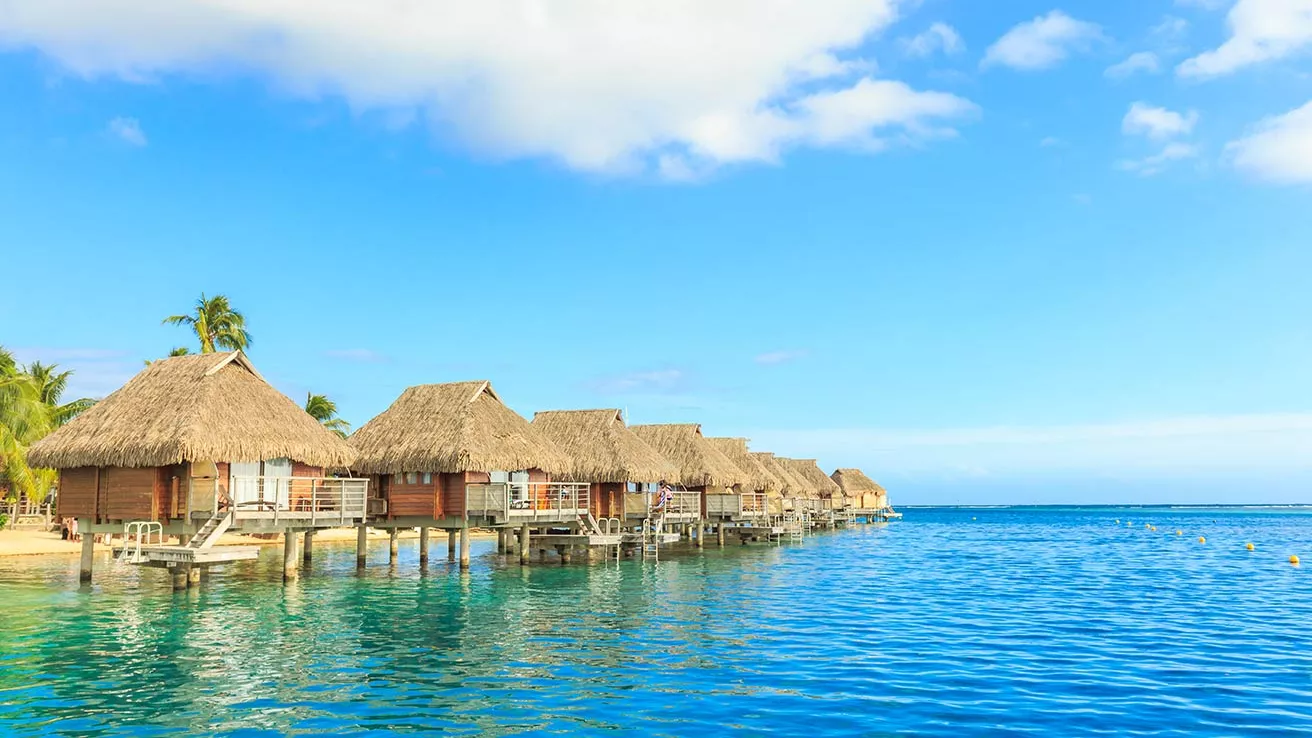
981,622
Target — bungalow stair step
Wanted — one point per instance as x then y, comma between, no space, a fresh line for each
211,531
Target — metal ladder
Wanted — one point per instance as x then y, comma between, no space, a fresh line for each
136,534
211,530
653,529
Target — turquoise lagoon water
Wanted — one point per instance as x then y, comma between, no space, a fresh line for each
951,622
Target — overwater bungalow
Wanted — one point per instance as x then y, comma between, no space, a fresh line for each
454,456
194,446
869,498
833,504
790,486
704,470
750,502
622,470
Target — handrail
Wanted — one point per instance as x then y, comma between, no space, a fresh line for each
140,531
323,500
526,499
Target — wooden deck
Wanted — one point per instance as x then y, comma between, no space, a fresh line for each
166,556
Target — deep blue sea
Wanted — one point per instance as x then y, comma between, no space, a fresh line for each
997,621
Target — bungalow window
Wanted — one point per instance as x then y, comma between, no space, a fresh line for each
499,477
428,477
397,479
411,477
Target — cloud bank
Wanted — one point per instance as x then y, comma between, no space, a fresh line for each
606,87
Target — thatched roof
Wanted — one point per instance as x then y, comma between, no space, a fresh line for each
735,450
854,482
809,470
207,407
700,463
792,485
463,426
603,448
777,482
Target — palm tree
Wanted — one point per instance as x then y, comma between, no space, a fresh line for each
324,410
216,324
24,418
50,388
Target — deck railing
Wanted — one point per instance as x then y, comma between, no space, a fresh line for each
309,500
527,500
738,504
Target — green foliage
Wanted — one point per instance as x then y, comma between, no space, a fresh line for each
216,324
30,407
324,410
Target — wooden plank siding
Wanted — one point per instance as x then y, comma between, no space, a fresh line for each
413,500
606,500
77,493
128,494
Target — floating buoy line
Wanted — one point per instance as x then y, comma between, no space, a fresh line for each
1293,559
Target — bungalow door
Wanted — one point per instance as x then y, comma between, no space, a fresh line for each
278,481
244,483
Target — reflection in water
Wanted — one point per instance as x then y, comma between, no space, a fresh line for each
1046,621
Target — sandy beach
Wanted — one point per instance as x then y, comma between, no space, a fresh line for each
33,542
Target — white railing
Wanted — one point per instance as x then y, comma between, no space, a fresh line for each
554,500
316,500
678,505
137,534
738,505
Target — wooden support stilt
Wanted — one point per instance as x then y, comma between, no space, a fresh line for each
392,545
307,546
361,545
88,551
701,535
565,553
464,547
719,533
289,572
451,544
523,544
423,545
179,576
193,576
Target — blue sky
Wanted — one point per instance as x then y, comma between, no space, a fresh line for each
991,252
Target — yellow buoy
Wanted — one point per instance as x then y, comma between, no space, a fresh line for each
1179,532
1248,546
1202,540
1118,521
1148,526
1293,560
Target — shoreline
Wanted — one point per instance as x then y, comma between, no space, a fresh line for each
19,543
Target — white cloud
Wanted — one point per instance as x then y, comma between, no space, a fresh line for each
656,381
779,357
1278,150
127,130
1142,61
1158,162
609,87
1156,123
1204,4
1043,42
938,37
1172,447
1260,30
